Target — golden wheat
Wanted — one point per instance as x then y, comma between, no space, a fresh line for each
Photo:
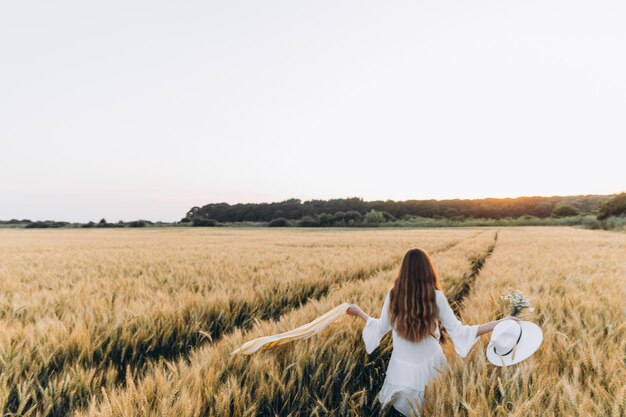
142,322
82,308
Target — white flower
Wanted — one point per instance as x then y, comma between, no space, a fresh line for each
516,300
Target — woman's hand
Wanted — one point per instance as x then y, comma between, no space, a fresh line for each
353,310
488,327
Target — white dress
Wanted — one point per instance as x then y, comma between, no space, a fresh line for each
412,365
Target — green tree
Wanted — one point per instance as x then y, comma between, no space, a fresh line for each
138,223
325,219
308,221
565,210
374,217
616,206
202,222
352,216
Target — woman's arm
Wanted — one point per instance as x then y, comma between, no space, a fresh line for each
375,329
487,327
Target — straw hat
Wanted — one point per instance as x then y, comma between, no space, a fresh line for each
513,341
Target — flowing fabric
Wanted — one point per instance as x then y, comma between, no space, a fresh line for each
412,365
303,332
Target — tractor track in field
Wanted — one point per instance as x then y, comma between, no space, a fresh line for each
462,290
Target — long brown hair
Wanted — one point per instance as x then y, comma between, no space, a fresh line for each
413,307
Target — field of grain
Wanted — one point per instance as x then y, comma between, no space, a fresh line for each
142,322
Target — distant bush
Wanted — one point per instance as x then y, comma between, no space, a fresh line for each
279,222
374,217
88,225
241,224
325,219
614,223
389,218
185,220
591,222
308,221
37,225
528,217
339,216
202,222
565,210
416,221
15,221
352,216
45,224
103,223
138,223
615,206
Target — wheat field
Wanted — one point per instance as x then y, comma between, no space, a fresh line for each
142,322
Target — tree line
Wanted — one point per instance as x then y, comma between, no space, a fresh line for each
347,210
593,211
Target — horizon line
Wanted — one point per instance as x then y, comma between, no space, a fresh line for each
327,199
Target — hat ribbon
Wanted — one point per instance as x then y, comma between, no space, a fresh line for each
514,346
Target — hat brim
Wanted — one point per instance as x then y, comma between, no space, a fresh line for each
532,336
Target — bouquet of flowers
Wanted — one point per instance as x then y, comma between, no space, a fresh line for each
516,302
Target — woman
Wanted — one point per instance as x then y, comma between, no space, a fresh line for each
411,310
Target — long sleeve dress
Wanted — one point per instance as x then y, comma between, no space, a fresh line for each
412,365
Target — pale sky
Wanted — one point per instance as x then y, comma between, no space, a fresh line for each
129,109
